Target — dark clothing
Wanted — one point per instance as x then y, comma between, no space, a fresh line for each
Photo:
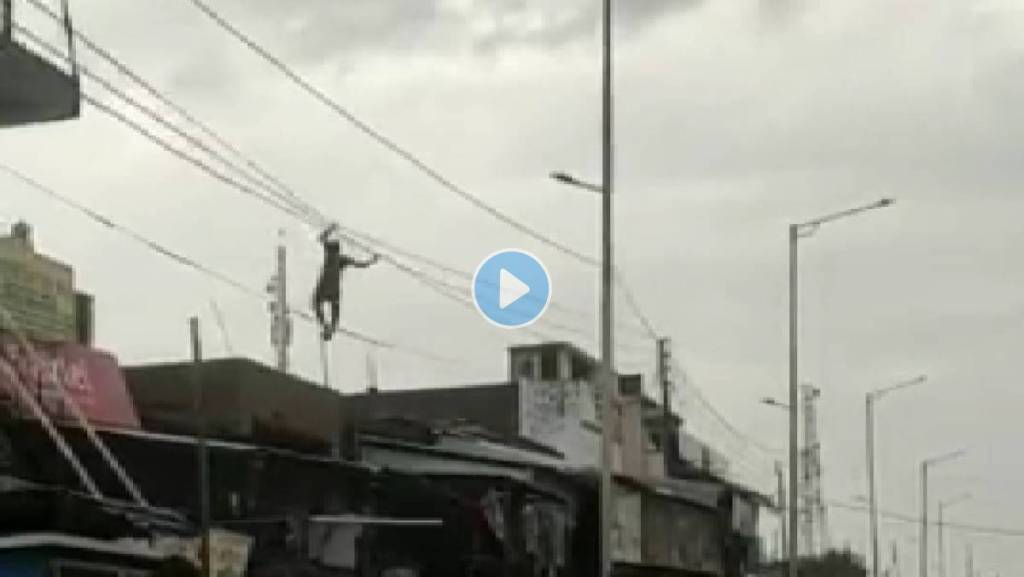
328,287
334,307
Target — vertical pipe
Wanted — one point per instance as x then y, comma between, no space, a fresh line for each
784,550
199,416
325,364
794,402
610,383
924,520
942,544
872,497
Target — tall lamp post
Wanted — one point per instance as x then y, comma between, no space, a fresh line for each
926,466
943,505
796,232
607,377
870,399
607,380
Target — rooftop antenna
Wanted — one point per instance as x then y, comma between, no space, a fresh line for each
280,315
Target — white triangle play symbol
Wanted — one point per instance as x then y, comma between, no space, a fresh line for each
510,288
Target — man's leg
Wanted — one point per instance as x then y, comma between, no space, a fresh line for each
335,314
318,310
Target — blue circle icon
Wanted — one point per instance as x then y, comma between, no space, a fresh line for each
511,288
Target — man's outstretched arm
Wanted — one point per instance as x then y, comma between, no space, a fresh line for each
366,263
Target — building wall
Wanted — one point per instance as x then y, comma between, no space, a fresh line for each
242,399
627,535
561,415
91,377
492,406
681,536
37,291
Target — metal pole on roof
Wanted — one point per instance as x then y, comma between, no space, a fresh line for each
669,440
202,455
325,363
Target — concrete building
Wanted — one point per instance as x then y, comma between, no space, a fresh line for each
38,293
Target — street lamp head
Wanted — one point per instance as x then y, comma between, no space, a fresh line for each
563,177
885,202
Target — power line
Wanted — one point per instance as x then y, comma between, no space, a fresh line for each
703,401
281,191
417,274
634,305
385,141
285,199
904,518
195,265
286,202
155,93
407,155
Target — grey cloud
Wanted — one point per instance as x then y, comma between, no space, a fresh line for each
320,31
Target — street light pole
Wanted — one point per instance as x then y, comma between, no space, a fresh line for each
943,505
925,467
607,266
796,232
794,399
870,399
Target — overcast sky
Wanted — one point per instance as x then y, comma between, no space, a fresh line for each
735,118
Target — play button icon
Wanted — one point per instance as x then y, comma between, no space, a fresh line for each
511,288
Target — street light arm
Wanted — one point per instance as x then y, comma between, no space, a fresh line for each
878,393
773,403
811,225
568,179
943,458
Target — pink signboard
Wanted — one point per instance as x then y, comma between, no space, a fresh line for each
92,378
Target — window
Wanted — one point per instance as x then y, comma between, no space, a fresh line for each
549,365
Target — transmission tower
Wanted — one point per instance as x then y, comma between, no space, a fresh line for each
813,515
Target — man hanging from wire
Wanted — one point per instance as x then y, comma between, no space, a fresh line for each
328,287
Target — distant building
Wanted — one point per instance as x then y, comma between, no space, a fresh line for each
38,292
672,515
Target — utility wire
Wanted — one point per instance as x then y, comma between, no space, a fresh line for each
286,202
155,93
245,189
181,154
404,153
696,393
193,264
904,518
281,198
385,141
280,190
